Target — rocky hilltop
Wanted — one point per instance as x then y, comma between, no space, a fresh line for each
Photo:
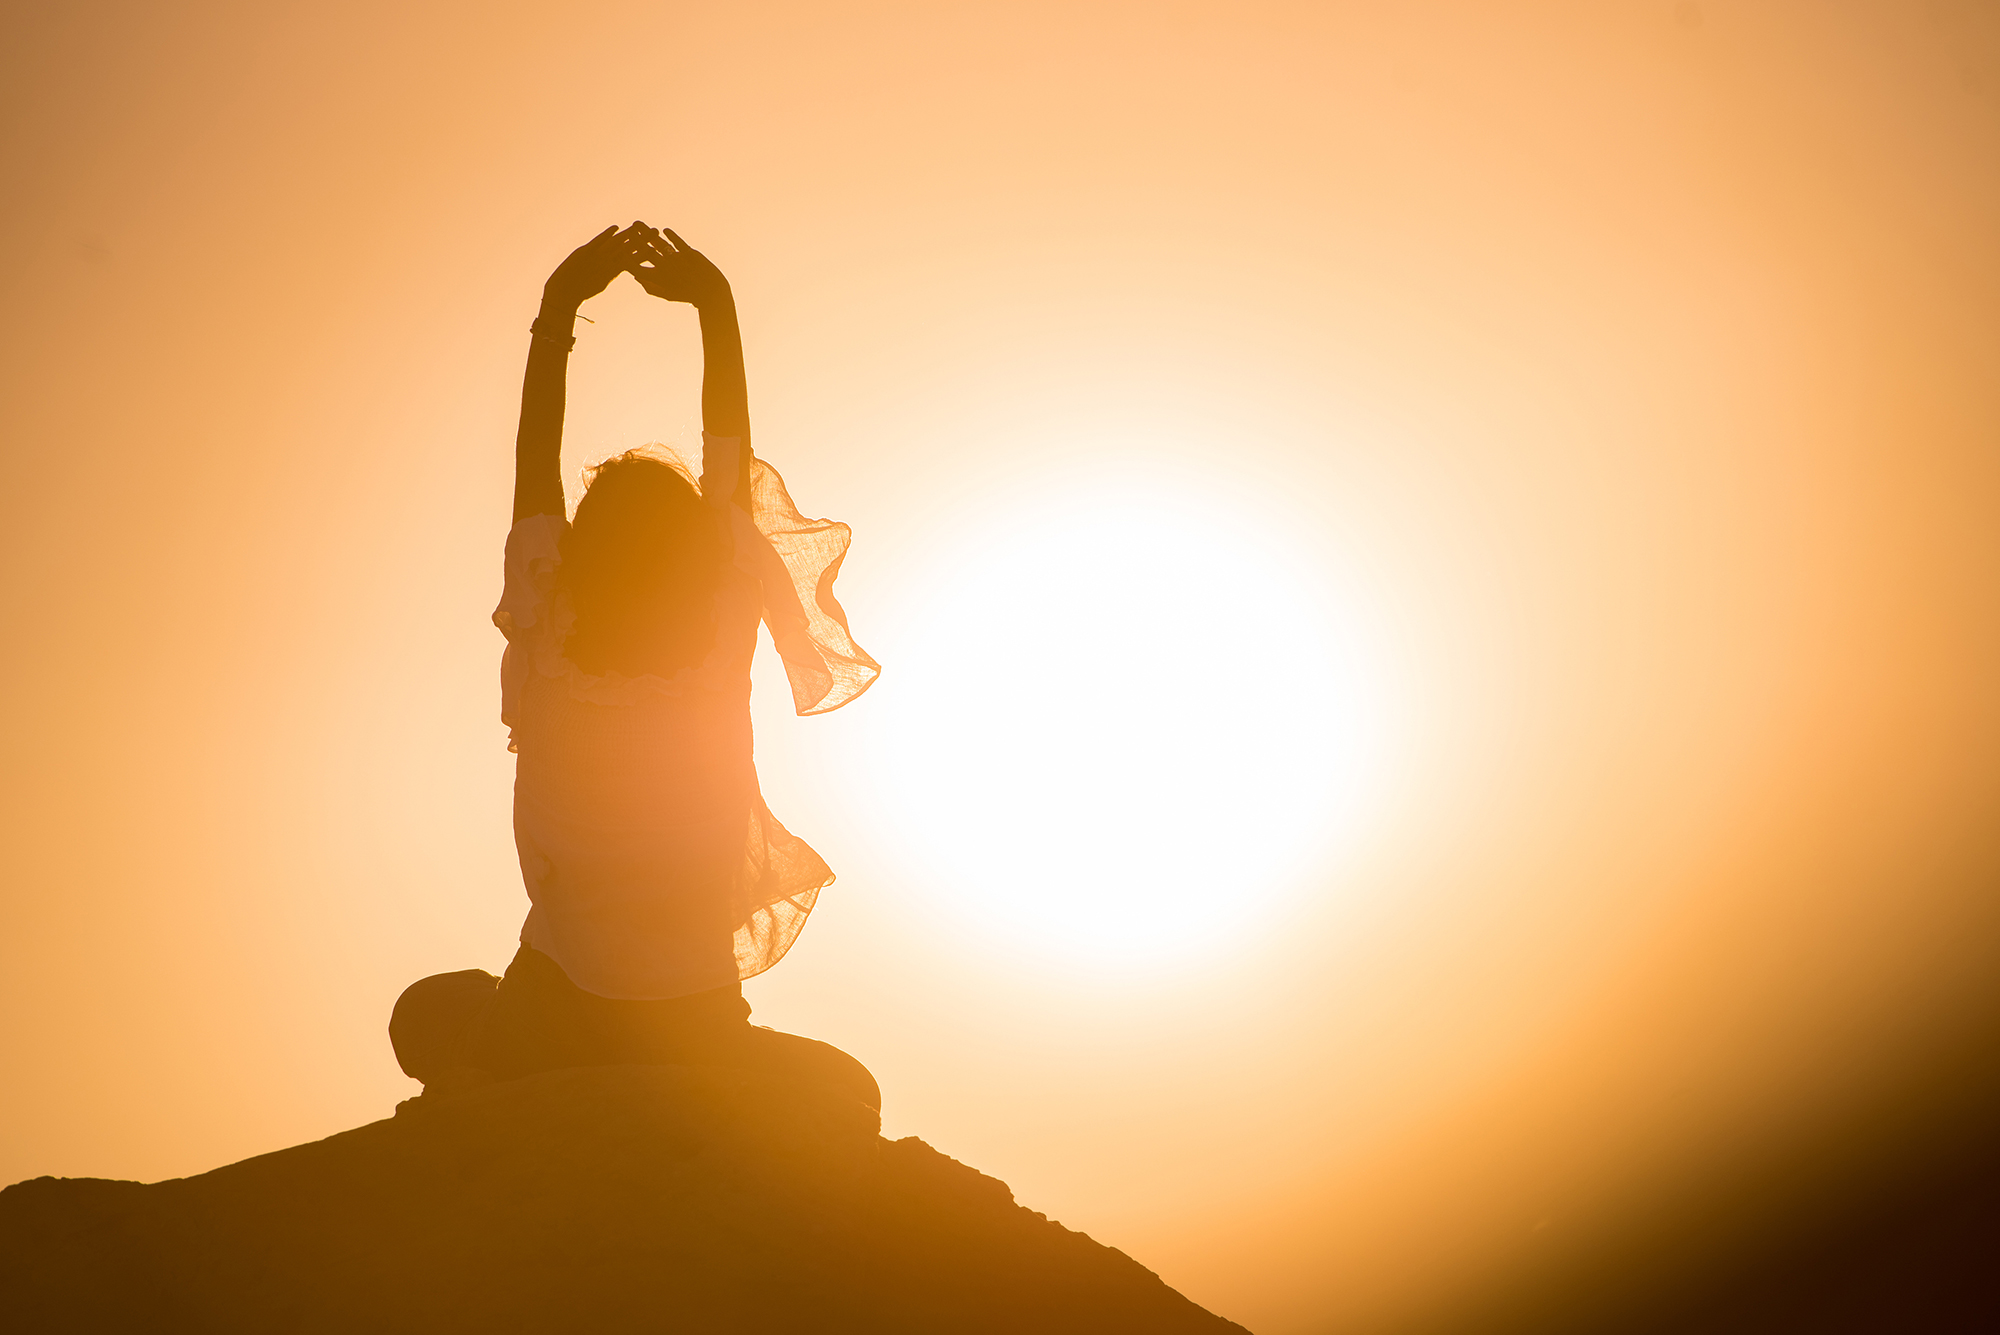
606,1199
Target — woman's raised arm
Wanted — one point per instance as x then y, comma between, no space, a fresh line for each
670,268
588,271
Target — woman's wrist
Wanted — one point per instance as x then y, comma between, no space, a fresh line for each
555,324
558,311
718,305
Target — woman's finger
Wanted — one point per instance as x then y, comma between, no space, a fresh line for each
637,252
652,247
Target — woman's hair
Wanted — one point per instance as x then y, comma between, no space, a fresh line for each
639,564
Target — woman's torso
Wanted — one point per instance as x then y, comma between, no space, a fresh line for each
632,796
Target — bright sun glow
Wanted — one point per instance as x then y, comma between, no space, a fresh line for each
1128,725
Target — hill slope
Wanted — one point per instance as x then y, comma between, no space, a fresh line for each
597,1199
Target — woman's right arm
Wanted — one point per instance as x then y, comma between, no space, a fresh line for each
670,268
588,271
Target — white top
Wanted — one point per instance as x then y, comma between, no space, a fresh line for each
653,867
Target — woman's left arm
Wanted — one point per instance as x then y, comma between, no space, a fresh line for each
670,268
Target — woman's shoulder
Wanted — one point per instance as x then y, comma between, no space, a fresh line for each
534,550
536,530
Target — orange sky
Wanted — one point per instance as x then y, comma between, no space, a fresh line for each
1569,430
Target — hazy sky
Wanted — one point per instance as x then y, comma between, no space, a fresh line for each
1434,567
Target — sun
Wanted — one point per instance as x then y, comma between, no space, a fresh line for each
1129,722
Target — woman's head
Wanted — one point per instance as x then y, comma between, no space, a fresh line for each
639,565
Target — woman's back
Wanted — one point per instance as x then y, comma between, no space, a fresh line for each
657,877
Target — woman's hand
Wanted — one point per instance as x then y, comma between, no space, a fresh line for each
588,270
672,270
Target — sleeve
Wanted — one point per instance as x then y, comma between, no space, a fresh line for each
795,560
534,550
721,468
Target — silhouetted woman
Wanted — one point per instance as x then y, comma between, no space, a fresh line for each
658,878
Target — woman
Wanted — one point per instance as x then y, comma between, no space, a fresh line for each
658,878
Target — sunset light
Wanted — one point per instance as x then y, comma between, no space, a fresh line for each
1135,721
1355,645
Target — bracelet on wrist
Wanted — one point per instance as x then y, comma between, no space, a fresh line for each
541,333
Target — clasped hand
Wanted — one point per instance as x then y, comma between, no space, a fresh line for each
665,266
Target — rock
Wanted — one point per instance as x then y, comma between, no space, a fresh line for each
603,1199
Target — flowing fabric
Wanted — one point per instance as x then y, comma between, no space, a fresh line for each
797,561
653,867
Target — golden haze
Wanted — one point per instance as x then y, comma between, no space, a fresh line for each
1607,389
